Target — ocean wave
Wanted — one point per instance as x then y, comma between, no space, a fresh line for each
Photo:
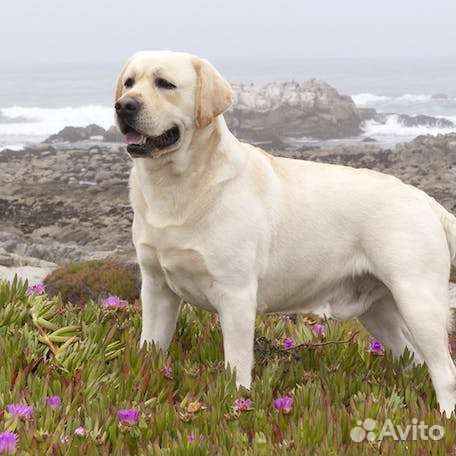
394,128
370,99
365,99
18,120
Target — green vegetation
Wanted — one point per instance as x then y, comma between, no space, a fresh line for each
89,357
83,281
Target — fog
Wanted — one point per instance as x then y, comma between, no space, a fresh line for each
102,30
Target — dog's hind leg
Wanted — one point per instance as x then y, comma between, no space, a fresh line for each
384,322
424,309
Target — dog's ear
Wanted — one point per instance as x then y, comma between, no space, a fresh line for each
214,95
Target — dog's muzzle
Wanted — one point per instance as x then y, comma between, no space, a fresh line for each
139,145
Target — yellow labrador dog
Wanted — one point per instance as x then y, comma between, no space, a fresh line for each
230,228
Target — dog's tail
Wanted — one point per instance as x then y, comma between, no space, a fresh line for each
448,222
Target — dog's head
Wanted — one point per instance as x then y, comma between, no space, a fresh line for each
162,97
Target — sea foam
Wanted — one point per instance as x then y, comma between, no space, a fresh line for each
394,128
370,99
22,121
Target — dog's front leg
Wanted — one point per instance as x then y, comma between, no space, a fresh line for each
237,318
160,309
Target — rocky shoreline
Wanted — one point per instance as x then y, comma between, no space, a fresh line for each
61,204
65,202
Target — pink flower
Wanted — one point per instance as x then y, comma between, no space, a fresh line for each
36,289
54,402
8,442
20,410
81,431
242,405
319,329
288,343
128,416
168,371
376,346
192,437
283,404
114,302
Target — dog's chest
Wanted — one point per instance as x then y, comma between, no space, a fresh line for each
186,274
176,249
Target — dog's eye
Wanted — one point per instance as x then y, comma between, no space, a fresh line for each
129,82
164,84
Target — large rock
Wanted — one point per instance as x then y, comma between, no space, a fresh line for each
280,110
74,134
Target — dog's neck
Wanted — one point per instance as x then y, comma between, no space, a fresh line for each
171,185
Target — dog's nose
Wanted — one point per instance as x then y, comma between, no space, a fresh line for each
127,107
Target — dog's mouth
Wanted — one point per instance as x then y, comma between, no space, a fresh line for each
139,145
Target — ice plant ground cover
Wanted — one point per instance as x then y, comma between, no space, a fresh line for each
92,391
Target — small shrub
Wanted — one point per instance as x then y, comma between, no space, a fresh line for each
82,281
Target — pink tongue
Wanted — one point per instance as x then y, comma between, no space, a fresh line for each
133,138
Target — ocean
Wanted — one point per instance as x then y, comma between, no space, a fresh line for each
39,100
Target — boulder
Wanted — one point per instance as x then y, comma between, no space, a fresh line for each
263,113
74,134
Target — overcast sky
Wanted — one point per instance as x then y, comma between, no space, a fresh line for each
110,30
